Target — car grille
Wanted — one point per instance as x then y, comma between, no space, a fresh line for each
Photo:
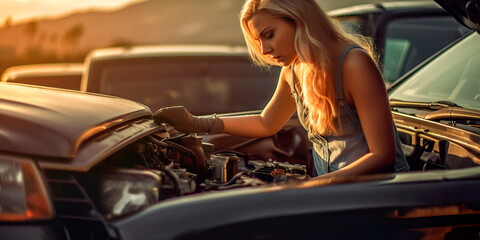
75,209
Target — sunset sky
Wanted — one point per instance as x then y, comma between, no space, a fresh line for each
21,10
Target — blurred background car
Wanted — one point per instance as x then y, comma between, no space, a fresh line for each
404,33
59,75
204,78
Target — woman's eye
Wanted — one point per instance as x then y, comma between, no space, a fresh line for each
267,35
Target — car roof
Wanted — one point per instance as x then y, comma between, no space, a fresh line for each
55,123
405,6
166,50
42,70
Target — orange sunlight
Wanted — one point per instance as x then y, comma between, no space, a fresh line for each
17,11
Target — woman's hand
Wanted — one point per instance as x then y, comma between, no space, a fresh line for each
178,116
182,120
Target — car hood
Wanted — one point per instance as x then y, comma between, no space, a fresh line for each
55,123
466,12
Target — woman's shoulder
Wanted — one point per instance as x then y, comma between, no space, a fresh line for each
359,69
358,59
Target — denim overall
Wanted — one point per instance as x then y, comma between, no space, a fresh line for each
331,152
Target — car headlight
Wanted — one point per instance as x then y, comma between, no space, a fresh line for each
23,193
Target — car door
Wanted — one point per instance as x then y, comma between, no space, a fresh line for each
404,33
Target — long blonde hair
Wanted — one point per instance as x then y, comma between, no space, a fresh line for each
313,29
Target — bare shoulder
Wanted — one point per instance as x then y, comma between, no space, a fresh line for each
358,59
362,79
359,68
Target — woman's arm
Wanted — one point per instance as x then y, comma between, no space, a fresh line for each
365,89
277,112
273,117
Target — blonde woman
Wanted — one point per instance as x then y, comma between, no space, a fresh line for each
329,77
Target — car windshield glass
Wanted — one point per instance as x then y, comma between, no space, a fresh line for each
204,87
453,76
409,41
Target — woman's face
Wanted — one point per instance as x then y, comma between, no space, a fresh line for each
275,36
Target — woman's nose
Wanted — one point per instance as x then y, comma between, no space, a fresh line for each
266,49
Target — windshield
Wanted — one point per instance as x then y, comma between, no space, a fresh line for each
453,76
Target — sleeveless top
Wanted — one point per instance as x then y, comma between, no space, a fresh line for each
332,152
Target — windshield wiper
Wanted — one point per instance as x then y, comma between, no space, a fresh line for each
424,105
443,110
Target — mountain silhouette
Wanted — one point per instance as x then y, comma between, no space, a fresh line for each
149,22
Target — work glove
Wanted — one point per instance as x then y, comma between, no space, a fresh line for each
182,120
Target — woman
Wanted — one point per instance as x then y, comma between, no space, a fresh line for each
329,77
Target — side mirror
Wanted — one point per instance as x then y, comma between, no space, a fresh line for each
473,11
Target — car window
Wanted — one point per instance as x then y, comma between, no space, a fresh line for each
217,85
411,40
453,76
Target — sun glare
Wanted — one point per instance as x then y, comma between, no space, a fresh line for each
21,10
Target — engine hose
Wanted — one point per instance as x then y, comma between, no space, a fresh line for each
185,151
158,142
177,147
176,180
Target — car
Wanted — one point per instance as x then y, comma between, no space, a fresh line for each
59,75
203,78
79,165
404,33
437,106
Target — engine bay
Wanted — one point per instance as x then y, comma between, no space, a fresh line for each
160,167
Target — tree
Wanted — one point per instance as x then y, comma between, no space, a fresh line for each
8,22
31,28
73,34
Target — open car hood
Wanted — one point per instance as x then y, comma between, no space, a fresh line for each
56,123
466,12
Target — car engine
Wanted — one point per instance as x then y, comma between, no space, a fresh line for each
160,167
